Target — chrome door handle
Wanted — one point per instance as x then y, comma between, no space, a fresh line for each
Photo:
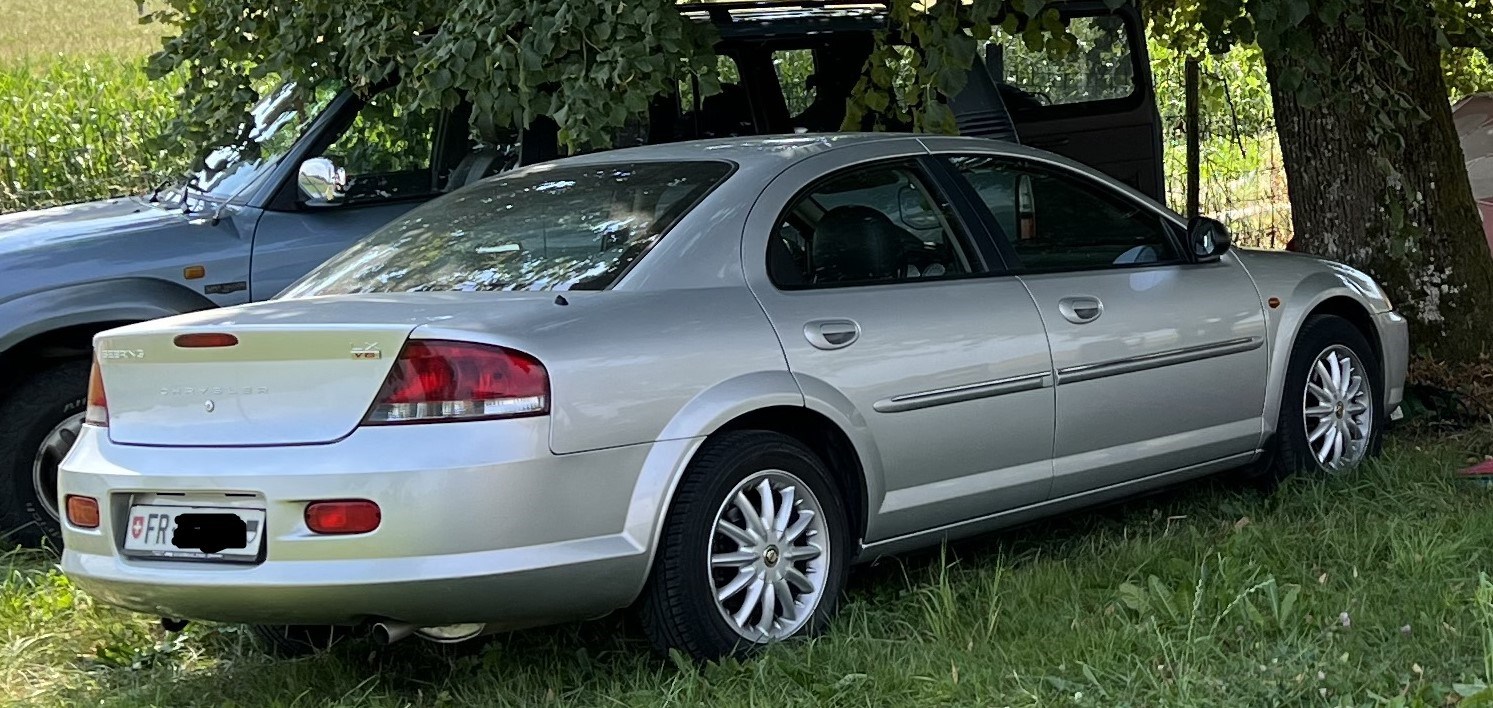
1080,310
832,334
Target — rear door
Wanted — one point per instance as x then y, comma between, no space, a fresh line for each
884,308
1097,103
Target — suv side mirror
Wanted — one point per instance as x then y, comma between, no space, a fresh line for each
1208,238
321,181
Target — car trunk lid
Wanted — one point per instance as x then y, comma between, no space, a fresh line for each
275,384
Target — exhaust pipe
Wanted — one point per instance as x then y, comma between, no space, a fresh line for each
173,625
387,633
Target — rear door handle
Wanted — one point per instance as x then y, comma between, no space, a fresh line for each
832,334
1081,310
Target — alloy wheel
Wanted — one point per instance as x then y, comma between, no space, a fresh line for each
769,556
1338,409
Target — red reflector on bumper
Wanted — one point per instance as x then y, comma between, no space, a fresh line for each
347,516
82,512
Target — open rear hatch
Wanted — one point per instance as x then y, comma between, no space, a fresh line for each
252,384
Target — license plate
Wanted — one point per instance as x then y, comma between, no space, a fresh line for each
194,533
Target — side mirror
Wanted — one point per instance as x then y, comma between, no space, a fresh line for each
1208,238
321,181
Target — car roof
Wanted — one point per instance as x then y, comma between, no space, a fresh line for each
775,18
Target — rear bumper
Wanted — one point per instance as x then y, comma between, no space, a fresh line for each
481,523
1394,343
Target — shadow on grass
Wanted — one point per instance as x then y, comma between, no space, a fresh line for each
590,662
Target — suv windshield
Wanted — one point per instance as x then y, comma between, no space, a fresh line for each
279,120
552,228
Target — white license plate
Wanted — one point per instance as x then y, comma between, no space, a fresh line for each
194,533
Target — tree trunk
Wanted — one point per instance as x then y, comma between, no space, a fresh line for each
1402,212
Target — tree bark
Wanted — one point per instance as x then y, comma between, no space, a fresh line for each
1347,189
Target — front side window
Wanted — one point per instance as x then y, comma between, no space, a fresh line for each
560,228
1097,66
1056,221
385,153
280,119
867,226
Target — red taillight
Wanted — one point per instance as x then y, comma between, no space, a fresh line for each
435,380
200,340
97,412
82,512
347,516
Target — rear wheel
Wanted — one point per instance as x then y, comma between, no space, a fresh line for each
1330,414
753,550
39,422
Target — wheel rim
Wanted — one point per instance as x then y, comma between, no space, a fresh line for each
49,456
1338,409
769,556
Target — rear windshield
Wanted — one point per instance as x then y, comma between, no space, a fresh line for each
565,228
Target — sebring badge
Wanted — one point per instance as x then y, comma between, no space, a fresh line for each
366,351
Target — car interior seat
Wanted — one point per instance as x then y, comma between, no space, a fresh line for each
856,243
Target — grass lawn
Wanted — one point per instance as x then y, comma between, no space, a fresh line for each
1362,589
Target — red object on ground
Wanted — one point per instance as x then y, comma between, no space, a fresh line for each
1474,120
1481,469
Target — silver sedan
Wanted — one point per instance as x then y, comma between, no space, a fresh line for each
702,380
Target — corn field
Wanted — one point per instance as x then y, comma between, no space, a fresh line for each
79,129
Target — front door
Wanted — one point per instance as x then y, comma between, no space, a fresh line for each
1160,361
379,162
879,298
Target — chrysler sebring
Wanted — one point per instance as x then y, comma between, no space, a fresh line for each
701,381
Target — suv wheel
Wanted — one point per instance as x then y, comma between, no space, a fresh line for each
41,419
753,550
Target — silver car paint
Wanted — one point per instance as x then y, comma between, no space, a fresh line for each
961,338
699,349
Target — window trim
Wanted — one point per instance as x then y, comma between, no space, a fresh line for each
927,169
996,234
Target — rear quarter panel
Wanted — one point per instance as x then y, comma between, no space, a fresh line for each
634,367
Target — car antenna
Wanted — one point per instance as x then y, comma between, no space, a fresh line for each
560,300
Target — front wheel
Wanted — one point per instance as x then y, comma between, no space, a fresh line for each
42,417
753,550
1331,417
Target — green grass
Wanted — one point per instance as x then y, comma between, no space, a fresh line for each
1357,590
35,31
76,110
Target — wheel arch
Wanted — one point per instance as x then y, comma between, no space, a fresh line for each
1339,302
60,323
769,400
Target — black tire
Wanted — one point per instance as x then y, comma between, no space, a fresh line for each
293,640
1319,333
31,411
678,608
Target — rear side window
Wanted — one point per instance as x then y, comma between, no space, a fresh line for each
868,225
557,228
1100,66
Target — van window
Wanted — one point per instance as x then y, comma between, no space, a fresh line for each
1099,67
